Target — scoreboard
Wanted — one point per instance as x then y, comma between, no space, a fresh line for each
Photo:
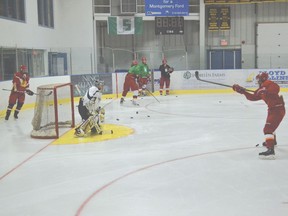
169,25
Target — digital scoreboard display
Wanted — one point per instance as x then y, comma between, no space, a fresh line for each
169,25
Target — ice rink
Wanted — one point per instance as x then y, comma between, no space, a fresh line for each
189,155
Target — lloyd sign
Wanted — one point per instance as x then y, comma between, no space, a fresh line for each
167,7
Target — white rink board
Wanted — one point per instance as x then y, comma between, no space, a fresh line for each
185,80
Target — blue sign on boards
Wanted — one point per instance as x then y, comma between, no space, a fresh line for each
167,7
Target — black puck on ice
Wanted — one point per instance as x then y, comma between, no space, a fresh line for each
136,112
257,145
148,115
131,117
117,119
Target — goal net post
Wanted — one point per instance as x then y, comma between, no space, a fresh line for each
54,109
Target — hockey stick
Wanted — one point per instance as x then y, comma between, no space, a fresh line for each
152,94
221,84
49,93
110,102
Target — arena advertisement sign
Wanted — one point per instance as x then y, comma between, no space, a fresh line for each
246,78
83,82
280,76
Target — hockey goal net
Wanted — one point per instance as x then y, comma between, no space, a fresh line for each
54,109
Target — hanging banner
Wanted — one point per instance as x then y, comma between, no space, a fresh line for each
125,25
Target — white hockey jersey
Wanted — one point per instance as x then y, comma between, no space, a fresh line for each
92,99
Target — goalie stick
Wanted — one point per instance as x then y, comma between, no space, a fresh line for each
221,84
48,94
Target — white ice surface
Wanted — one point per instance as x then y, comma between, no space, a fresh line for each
190,155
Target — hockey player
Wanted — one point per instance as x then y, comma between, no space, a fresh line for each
144,76
267,91
130,83
90,111
20,87
165,70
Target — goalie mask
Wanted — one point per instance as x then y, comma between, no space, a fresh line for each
99,84
92,93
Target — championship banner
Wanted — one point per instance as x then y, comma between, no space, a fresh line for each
125,25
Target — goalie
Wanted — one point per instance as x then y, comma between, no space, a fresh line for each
90,111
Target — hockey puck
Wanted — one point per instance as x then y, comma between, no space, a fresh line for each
117,119
111,131
131,117
148,115
136,112
257,145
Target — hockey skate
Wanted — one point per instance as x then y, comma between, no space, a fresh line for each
6,118
268,155
16,115
79,132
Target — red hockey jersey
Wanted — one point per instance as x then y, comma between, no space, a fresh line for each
270,95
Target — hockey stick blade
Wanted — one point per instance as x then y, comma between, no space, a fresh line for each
46,95
215,83
49,93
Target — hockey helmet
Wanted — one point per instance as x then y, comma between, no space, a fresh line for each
164,61
23,69
134,62
262,77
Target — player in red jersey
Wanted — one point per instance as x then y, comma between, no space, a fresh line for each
268,91
20,87
130,83
165,70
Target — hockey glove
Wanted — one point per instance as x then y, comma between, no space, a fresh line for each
29,92
98,109
171,69
238,88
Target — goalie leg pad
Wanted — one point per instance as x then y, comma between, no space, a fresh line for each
83,128
94,124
